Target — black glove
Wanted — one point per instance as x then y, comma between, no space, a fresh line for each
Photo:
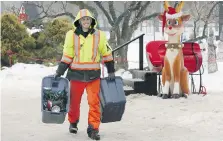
56,75
111,76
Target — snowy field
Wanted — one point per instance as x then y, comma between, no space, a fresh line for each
146,118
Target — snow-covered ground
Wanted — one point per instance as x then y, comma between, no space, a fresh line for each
146,118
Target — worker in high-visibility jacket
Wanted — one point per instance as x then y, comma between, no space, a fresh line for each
84,48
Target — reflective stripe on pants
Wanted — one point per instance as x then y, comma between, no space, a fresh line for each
76,92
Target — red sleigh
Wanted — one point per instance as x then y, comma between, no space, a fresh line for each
155,52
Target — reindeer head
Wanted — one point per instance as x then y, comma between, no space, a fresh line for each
173,19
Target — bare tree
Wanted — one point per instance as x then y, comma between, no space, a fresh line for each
48,10
13,10
11,7
202,14
124,24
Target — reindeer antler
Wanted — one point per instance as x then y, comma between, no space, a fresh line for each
179,6
166,5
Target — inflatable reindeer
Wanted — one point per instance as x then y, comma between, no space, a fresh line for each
174,74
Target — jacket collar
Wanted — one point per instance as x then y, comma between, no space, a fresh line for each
78,31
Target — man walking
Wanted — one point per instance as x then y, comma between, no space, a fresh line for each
84,48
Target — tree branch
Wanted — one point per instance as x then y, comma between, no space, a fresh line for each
199,15
45,10
195,26
105,12
142,9
198,11
83,5
211,10
126,12
64,6
208,17
57,15
13,9
197,39
136,22
112,10
125,25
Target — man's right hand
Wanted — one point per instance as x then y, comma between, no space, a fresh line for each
111,76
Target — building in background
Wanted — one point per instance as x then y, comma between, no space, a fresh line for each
19,8
22,15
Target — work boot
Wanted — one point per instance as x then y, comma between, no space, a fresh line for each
93,133
73,128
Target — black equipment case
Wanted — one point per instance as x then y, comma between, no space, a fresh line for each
112,99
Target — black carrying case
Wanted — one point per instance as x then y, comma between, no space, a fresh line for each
112,100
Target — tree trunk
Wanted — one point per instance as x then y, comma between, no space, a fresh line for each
112,39
194,31
122,54
212,63
121,57
220,48
157,25
197,31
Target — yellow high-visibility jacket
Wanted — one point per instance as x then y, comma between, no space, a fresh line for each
85,54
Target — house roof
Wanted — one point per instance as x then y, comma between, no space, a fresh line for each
31,10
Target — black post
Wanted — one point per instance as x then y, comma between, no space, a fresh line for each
140,49
141,53
113,54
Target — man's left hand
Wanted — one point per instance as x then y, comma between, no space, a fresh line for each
111,76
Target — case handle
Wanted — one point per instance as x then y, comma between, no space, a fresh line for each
55,84
55,113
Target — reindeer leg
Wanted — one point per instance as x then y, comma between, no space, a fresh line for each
184,82
176,72
167,79
163,82
171,88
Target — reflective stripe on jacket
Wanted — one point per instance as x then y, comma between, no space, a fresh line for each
82,53
86,51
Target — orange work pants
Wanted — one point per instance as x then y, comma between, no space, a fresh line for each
76,92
